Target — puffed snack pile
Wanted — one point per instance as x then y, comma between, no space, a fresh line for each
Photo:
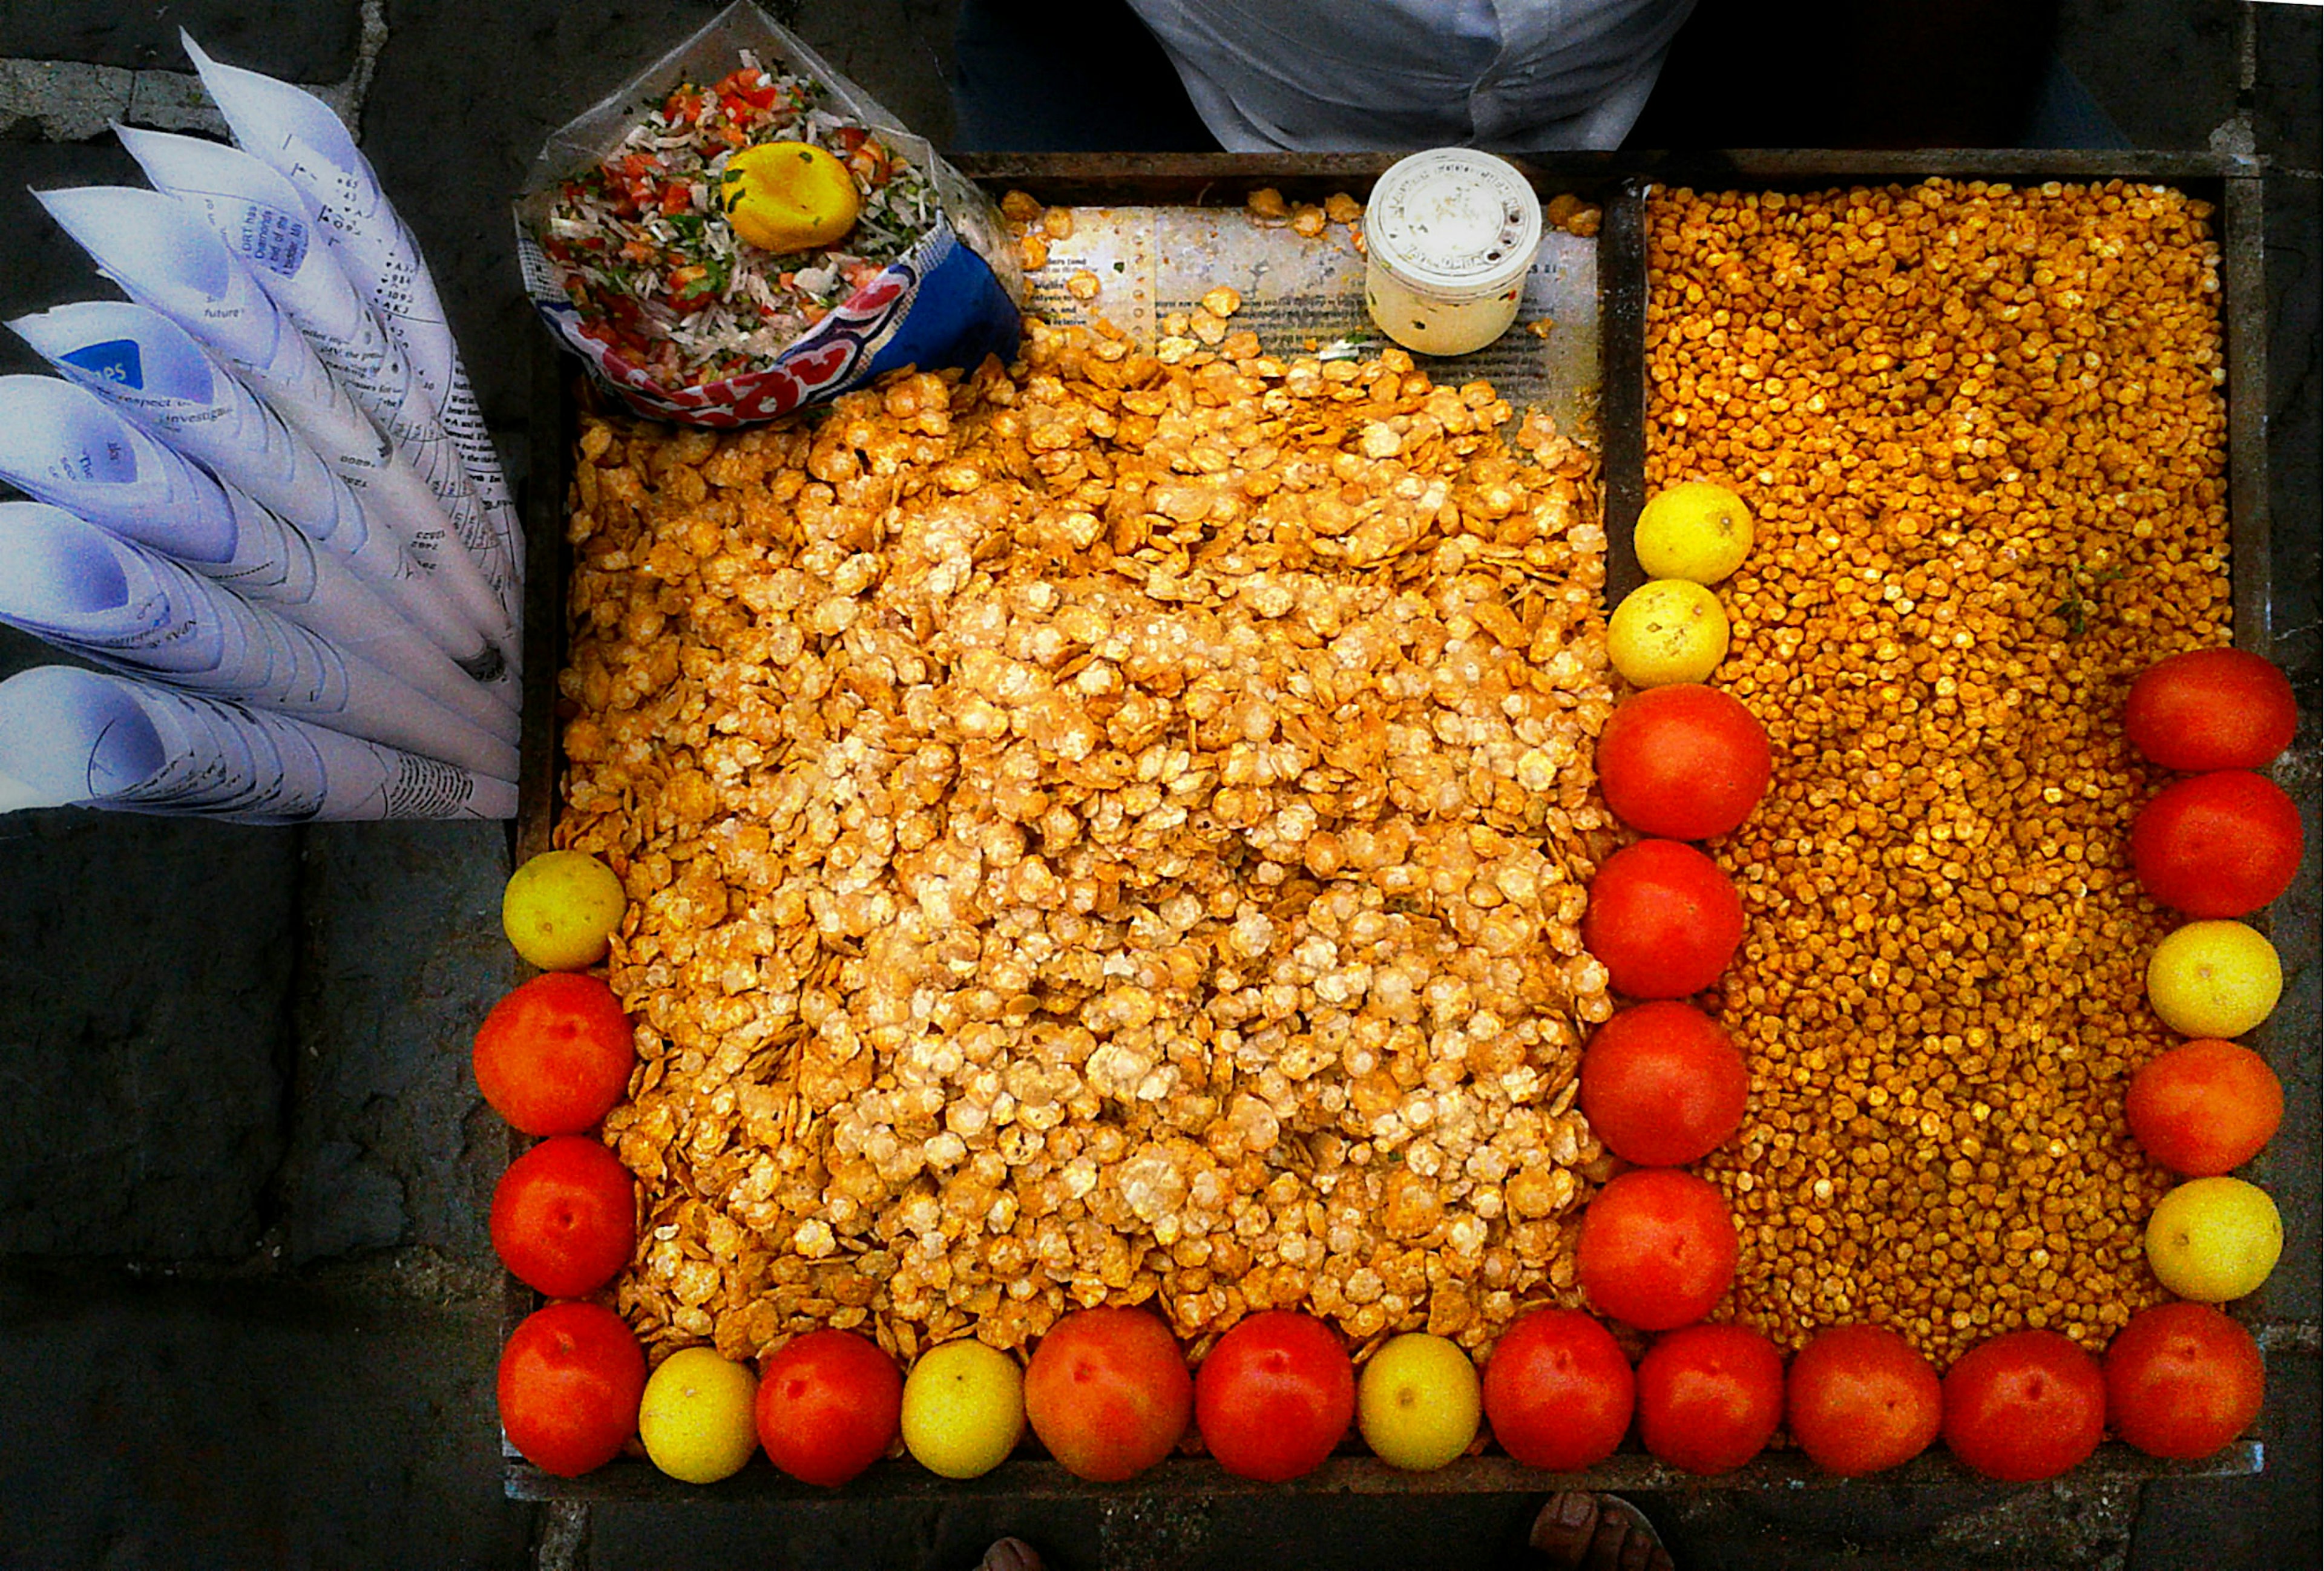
1098,831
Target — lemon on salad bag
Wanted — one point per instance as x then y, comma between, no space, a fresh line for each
741,230
789,196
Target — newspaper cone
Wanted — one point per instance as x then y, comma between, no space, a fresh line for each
166,257
80,588
70,736
298,135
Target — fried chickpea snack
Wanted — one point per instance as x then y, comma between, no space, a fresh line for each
1097,832
1982,434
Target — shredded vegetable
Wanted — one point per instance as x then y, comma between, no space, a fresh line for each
644,250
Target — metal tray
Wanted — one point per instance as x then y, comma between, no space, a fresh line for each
1619,183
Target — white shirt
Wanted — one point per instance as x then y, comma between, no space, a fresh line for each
1332,75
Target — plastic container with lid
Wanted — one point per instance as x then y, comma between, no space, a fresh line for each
1449,234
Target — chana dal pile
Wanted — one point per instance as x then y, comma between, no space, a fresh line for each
1982,431
1097,832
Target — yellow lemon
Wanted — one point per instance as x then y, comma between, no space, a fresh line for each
1694,529
1668,631
2214,1239
698,1419
963,1409
1418,1401
789,196
561,909
2214,979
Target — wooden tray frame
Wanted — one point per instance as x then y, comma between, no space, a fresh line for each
1619,183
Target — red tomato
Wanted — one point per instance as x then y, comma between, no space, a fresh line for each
2205,1108
2183,1379
571,1378
1662,1085
1663,919
1709,1397
1275,1396
1657,1248
2210,708
1108,1392
1558,1391
829,1402
565,1216
2217,845
2025,1406
753,87
1686,761
554,1056
1860,1399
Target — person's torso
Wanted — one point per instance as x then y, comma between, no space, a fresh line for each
1411,73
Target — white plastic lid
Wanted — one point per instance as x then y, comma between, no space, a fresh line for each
1453,221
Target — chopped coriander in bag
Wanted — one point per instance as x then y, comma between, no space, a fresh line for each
738,230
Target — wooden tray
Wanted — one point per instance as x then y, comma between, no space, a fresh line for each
1619,183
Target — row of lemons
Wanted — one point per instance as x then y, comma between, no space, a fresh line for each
1672,628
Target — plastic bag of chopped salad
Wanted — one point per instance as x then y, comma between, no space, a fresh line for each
691,235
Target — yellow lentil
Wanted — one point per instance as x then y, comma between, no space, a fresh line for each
1981,430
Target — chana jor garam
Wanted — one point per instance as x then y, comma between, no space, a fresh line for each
1982,433
1104,833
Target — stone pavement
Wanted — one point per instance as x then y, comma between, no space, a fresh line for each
250,1311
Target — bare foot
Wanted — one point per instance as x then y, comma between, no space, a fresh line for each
1010,1555
1597,1532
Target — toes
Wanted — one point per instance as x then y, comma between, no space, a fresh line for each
1010,1555
1638,1549
1563,1529
1606,1543
1584,1532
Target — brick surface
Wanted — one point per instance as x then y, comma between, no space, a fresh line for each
146,963
2165,69
2288,1168
389,1141
713,1536
311,41
151,1425
1872,1525
2286,103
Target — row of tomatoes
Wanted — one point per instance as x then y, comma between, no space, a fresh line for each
2226,840
1663,1086
1662,1082
1657,1250
1108,1395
